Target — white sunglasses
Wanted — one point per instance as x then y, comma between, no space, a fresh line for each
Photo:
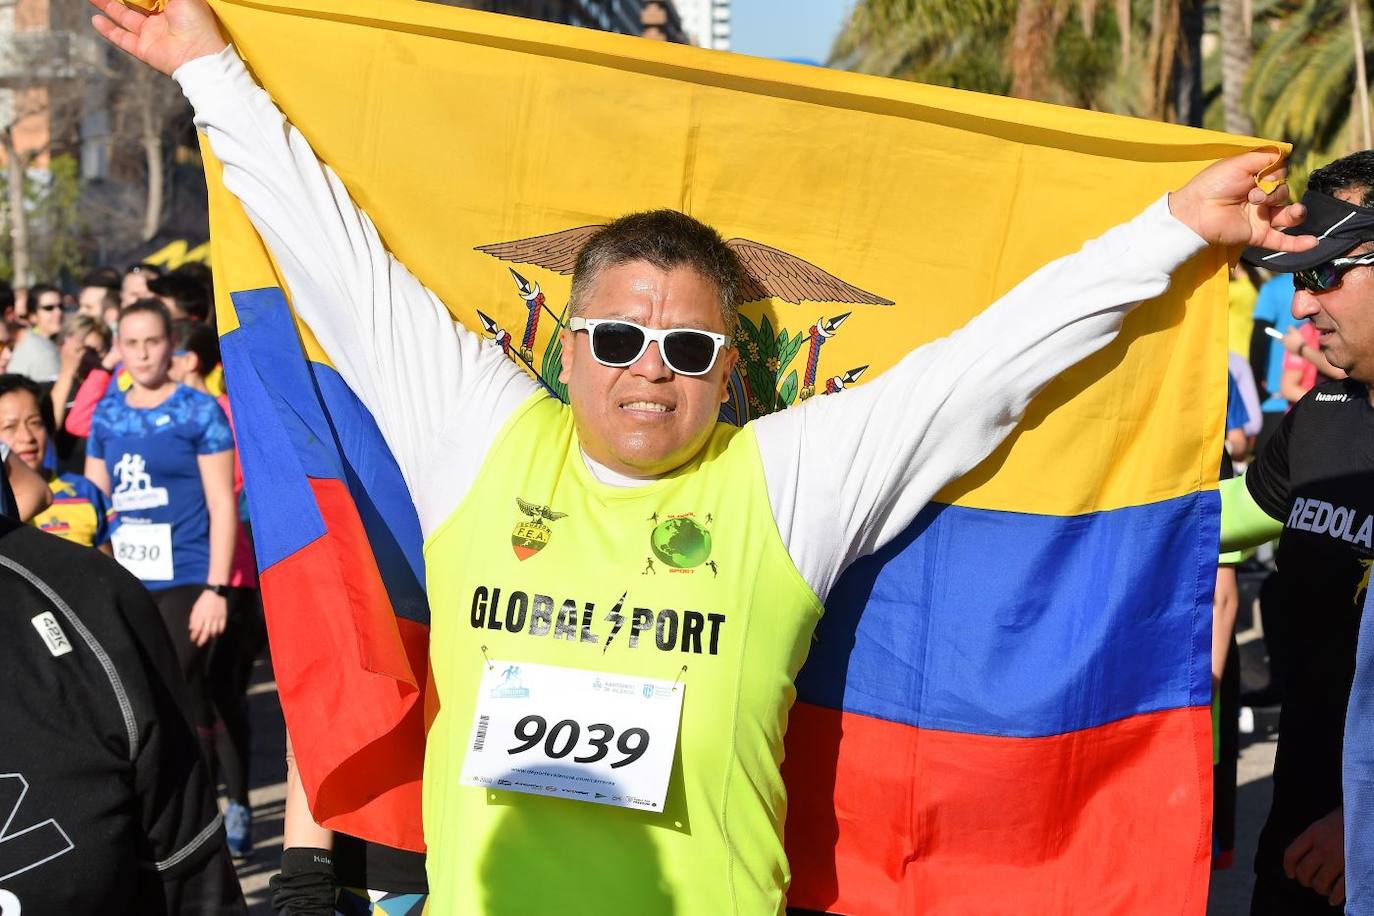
619,343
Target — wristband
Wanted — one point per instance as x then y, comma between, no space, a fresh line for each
221,590
305,886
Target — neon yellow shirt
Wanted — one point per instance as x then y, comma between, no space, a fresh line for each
706,583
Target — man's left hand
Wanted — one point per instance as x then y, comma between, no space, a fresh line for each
1225,206
1316,859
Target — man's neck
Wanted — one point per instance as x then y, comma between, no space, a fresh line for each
612,478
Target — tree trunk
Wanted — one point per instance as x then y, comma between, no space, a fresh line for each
1187,77
1235,64
1124,27
1159,57
1361,81
1032,38
19,217
152,155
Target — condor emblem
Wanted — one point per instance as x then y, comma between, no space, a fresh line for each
531,535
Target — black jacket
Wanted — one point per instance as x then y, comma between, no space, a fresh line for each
105,805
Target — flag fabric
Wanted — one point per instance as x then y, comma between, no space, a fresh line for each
1007,710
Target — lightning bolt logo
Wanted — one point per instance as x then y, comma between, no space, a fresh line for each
616,618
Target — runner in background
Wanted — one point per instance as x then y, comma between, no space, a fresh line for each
195,355
165,455
80,512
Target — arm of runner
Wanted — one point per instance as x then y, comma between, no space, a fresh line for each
847,473
210,613
437,391
78,419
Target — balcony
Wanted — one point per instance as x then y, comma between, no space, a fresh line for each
29,58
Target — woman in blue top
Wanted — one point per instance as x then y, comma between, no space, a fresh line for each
165,455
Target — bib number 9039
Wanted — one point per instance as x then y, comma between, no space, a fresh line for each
589,736
560,740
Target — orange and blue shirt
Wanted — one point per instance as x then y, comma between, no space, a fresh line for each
80,512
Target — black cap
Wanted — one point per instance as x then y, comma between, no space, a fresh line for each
1338,225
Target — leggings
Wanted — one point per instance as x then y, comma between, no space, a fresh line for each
230,669
175,606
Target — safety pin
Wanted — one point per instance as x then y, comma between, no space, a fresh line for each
679,677
490,666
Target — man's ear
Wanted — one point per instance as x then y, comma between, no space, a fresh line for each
565,340
728,358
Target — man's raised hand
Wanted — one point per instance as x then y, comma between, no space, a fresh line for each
1223,205
183,31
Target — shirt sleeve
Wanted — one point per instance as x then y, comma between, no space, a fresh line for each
1268,477
438,392
849,472
215,435
95,440
104,513
78,419
1236,414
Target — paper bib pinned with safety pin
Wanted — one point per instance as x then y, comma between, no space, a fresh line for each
582,735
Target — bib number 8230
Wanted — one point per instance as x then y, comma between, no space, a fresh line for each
563,737
139,553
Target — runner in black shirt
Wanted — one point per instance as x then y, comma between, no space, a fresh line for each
105,806
1314,482
1317,475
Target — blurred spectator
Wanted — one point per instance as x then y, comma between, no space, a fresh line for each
84,342
6,303
1249,394
9,332
1273,309
79,512
134,286
184,294
1240,299
99,292
1305,365
35,355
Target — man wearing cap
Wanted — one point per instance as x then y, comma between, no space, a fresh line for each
1313,487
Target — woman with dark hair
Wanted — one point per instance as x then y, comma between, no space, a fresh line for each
165,455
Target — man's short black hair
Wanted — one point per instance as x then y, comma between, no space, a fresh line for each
187,289
107,277
199,338
39,289
1353,172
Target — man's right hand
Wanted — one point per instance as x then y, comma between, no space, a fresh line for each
183,31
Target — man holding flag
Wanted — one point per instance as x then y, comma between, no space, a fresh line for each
607,740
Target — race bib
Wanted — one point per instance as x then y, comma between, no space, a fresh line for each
144,550
567,733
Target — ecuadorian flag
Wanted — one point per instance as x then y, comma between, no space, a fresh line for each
1006,711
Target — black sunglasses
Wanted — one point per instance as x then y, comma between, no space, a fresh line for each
1328,276
617,343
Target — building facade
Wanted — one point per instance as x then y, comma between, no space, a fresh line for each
607,15
706,22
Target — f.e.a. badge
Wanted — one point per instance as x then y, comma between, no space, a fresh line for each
531,535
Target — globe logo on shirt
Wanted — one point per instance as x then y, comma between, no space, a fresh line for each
681,542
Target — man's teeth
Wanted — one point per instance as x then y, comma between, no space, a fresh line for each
646,405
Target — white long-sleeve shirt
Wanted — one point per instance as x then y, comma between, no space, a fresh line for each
440,393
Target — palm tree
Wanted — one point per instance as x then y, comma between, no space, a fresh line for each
1306,79
1236,34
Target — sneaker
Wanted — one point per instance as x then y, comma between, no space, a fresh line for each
238,828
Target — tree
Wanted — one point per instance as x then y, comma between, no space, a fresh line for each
1304,79
1236,34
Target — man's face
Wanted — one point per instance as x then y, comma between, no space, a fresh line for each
47,313
145,348
91,301
644,420
1344,316
21,427
133,288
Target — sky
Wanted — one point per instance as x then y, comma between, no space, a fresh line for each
788,29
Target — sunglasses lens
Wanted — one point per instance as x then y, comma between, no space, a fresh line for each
617,344
689,352
1317,279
